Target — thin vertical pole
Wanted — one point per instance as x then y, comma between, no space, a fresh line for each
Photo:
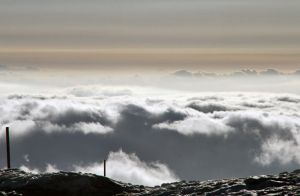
7,148
104,165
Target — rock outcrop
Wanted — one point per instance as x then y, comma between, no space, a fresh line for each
14,182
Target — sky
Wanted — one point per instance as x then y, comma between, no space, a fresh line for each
150,36
164,90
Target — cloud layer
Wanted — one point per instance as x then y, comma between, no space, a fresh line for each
192,136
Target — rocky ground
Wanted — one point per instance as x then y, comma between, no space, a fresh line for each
14,182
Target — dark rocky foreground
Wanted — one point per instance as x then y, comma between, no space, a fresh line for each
16,182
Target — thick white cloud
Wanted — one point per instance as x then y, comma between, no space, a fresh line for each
24,114
268,127
18,128
129,168
197,124
83,127
262,128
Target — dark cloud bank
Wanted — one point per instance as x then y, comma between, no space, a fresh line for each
202,137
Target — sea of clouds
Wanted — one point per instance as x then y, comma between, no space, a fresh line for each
153,138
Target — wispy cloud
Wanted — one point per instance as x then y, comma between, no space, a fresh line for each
129,168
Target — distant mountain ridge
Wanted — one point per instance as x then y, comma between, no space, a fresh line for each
14,182
240,73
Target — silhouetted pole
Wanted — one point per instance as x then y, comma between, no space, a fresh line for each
7,148
104,165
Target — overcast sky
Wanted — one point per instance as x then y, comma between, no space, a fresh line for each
140,35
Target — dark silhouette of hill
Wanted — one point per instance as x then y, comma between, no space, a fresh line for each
14,182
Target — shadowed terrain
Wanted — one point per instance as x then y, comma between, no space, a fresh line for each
17,182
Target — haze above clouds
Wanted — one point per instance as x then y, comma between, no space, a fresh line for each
86,82
150,36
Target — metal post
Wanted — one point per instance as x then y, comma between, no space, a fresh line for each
104,165
7,148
